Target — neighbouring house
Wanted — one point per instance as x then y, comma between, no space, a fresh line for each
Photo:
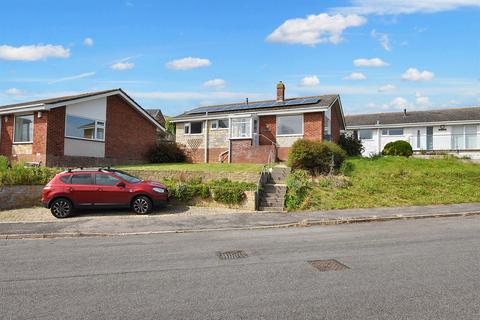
257,131
453,131
95,128
162,133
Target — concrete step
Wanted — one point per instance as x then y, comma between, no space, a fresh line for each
273,209
270,196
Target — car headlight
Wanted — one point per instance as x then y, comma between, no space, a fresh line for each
159,190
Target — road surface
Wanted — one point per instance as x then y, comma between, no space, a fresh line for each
423,269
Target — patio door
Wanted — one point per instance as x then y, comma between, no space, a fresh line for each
429,138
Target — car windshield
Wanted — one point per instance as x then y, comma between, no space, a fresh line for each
125,176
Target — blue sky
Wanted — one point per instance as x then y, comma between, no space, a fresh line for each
378,55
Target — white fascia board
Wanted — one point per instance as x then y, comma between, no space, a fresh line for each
418,124
23,109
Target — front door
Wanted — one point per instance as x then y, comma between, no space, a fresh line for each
429,138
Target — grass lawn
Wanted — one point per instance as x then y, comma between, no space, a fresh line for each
397,181
217,167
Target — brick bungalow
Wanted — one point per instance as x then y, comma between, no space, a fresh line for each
258,131
96,128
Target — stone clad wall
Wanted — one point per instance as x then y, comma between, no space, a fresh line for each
12,197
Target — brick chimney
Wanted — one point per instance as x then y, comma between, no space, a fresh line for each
280,92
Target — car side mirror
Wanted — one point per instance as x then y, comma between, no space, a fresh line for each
121,184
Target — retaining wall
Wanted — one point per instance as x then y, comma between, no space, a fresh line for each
12,197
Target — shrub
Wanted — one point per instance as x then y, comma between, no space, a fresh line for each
398,148
351,144
20,174
298,186
230,192
166,152
316,156
3,163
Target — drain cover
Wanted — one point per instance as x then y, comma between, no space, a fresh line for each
328,265
230,255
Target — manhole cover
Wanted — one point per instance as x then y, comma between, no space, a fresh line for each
328,265
230,255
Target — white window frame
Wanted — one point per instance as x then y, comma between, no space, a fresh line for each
358,134
214,124
15,125
393,135
250,119
97,126
188,124
290,134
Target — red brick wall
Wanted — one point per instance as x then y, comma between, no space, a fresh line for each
128,135
336,122
268,128
313,126
56,132
244,152
6,136
40,133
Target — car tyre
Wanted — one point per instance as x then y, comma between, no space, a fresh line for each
142,205
61,208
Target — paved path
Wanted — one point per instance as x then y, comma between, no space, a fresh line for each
426,269
110,223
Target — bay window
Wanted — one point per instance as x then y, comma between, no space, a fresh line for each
241,127
84,128
23,128
290,125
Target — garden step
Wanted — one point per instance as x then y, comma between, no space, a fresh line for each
261,208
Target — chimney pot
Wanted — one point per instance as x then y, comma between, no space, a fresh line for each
280,92
404,112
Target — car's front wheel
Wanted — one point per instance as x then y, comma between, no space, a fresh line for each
61,208
142,205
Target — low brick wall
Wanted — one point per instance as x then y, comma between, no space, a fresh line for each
12,197
188,175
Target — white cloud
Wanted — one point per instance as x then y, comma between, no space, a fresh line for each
421,100
309,81
392,7
355,76
121,66
14,92
383,38
386,88
315,29
33,52
413,74
188,63
397,103
215,84
88,42
75,77
375,62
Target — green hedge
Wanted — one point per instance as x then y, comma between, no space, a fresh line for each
18,174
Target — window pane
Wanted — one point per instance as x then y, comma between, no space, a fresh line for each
78,127
458,137
81,179
223,123
290,125
241,128
471,137
100,134
187,128
106,180
195,127
396,132
385,132
24,128
365,134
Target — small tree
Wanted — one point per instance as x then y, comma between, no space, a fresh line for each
351,144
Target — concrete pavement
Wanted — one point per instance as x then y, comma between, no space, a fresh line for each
426,269
129,224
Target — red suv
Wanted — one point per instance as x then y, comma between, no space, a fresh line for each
82,188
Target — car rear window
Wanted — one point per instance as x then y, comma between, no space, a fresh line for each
81,179
65,179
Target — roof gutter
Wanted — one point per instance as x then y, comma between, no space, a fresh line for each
414,124
29,108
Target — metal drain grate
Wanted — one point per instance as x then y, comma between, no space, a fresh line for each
230,255
328,265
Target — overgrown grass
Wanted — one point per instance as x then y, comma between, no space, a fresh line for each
217,167
397,181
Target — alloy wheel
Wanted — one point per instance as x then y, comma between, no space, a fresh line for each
61,208
141,205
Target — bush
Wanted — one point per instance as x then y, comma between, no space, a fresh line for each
316,156
20,174
230,192
166,152
351,144
398,148
299,184
3,163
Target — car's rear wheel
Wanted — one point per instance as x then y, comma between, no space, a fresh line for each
61,208
142,205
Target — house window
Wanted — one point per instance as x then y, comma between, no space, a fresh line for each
241,128
290,125
471,137
23,129
458,137
193,127
84,128
392,132
327,127
365,134
219,124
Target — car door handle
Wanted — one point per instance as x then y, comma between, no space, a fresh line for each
99,189
70,189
